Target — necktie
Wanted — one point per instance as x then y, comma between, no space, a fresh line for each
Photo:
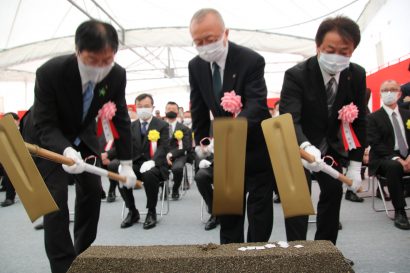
331,93
170,131
144,128
87,98
400,139
216,80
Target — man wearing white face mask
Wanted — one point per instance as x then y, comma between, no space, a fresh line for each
69,91
389,139
222,66
149,149
313,92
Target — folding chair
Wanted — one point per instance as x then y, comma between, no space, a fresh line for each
381,181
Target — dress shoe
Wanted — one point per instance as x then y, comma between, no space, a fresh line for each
39,226
276,199
340,226
378,195
401,221
349,262
132,217
7,202
111,197
175,195
150,220
351,196
212,223
103,195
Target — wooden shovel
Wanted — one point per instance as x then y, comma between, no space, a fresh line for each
290,177
22,172
229,165
55,157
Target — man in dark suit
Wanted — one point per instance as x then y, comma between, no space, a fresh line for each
404,101
389,137
180,145
60,121
240,69
313,92
149,148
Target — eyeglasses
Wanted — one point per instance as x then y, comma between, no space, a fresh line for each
390,89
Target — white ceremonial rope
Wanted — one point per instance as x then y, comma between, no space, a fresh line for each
329,170
95,170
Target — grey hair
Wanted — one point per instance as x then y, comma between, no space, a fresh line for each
200,15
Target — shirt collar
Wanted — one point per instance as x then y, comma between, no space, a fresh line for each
327,76
390,111
221,63
147,121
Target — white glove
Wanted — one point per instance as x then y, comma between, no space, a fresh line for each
312,150
147,165
78,166
203,164
353,172
125,169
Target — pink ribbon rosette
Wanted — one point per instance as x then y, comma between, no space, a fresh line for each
231,103
105,124
347,115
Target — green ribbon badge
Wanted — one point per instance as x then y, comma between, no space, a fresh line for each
103,91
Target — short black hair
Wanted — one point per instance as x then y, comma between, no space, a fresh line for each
143,96
94,35
14,115
173,103
346,27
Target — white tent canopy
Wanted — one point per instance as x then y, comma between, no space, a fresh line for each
156,44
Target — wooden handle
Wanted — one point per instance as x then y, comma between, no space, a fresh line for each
55,157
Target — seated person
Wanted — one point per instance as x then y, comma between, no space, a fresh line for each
150,146
389,138
204,180
180,144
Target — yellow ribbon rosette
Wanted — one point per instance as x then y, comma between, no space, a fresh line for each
408,124
178,134
153,135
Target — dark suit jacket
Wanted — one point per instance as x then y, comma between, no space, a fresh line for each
244,73
405,91
186,141
55,119
141,145
304,96
380,134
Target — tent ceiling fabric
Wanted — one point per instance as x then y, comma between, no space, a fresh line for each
157,43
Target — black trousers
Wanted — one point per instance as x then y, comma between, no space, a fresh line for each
10,191
152,180
204,179
177,169
113,167
61,250
259,207
393,171
328,211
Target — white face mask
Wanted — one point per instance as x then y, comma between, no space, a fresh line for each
333,63
389,98
144,113
187,121
212,52
93,73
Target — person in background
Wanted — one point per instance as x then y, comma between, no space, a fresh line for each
404,101
158,114
68,93
187,119
389,139
222,66
313,92
180,145
10,191
149,149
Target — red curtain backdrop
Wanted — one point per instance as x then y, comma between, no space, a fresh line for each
398,71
